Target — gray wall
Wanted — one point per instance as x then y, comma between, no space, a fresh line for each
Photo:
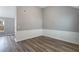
28,18
61,18
9,26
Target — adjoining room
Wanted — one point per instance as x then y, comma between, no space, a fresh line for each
7,28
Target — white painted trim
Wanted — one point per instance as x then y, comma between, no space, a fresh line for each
72,37
27,34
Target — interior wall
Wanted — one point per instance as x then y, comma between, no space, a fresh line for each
8,11
29,22
61,22
63,18
29,18
8,14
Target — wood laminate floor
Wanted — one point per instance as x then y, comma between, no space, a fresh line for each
38,44
46,44
8,44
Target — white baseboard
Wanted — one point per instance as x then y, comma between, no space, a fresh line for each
27,34
72,37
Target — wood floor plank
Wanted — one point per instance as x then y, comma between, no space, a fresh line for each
40,46
37,44
56,45
46,44
63,43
